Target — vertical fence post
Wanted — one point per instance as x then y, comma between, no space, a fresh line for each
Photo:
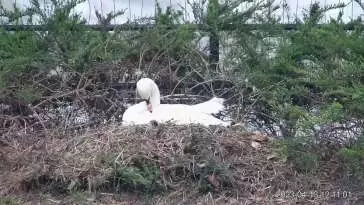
214,51
213,13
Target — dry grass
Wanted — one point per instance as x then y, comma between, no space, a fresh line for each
186,165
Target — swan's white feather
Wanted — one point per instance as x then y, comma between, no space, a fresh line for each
184,114
136,114
213,106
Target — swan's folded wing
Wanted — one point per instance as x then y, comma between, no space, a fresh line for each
136,115
213,106
184,114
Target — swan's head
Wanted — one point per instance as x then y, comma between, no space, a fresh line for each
149,105
148,90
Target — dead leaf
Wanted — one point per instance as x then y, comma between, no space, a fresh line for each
256,145
271,156
213,181
259,137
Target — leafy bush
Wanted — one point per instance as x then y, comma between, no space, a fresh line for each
143,178
315,79
20,52
318,66
302,148
210,174
8,201
65,43
354,159
170,42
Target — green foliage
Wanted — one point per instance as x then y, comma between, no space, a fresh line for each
314,68
354,159
66,43
141,177
20,52
168,38
169,41
213,14
331,113
301,155
8,201
28,95
300,148
79,196
212,169
75,45
299,152
252,47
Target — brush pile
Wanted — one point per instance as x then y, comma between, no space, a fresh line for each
172,164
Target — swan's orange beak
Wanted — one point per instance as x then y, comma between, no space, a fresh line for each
150,108
149,105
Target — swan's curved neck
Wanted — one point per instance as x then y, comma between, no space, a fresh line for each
155,97
148,90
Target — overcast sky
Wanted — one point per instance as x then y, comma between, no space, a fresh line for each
138,8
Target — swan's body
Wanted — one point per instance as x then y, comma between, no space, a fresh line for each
143,113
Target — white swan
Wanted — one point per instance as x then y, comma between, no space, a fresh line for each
151,109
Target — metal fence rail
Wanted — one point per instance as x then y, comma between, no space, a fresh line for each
136,27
